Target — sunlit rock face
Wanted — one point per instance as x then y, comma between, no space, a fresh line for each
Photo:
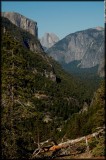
22,22
85,46
48,40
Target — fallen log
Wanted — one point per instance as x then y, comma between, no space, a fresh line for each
55,148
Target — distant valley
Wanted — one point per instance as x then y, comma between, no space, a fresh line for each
44,106
86,47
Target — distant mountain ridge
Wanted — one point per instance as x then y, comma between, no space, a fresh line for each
86,46
49,39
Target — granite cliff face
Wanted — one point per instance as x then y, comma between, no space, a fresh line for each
86,46
27,39
101,69
22,22
30,43
48,40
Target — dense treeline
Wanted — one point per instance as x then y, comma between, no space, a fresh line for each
23,110
86,122
20,115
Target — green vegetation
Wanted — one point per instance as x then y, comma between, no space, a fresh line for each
84,123
99,149
22,111
28,95
19,34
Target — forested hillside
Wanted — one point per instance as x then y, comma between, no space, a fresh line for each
90,117
28,40
37,96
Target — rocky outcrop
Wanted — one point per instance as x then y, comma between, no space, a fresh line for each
50,75
22,22
30,41
86,46
85,108
35,46
101,69
48,40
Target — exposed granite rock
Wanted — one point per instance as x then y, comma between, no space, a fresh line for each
35,47
30,41
95,53
85,108
48,40
50,75
22,22
101,69
85,46
47,118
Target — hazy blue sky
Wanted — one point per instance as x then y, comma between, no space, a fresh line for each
61,18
